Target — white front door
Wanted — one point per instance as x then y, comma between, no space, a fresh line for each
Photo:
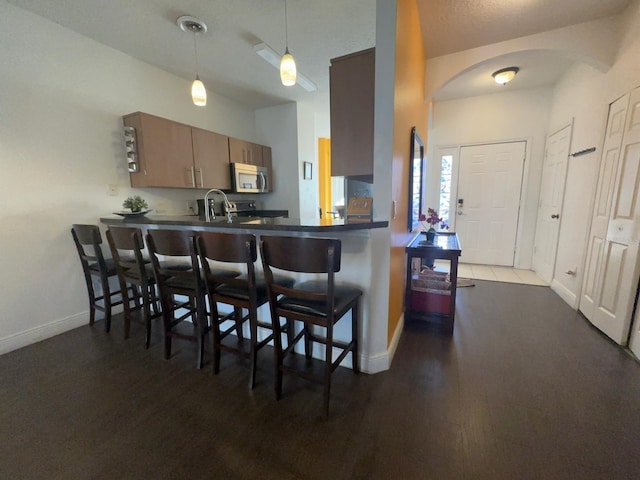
554,174
612,268
488,201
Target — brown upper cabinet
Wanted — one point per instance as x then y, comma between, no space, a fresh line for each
241,151
210,159
266,162
352,95
171,154
165,152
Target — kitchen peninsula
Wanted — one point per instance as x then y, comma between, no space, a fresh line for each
358,265
279,224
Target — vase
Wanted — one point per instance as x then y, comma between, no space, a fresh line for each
431,235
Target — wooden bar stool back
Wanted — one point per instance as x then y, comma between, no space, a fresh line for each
136,277
318,304
88,243
246,291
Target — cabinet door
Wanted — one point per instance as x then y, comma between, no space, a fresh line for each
241,151
165,152
352,90
352,85
211,159
266,162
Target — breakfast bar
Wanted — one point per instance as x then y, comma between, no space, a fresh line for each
357,263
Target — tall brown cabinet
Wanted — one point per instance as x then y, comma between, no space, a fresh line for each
352,82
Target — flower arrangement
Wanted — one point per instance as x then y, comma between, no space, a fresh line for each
432,219
136,204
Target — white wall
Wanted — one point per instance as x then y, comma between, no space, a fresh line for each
584,94
309,198
519,115
277,126
61,101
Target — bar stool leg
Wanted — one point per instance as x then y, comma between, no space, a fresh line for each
328,367
253,353
354,332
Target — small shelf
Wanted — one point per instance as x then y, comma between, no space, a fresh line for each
431,295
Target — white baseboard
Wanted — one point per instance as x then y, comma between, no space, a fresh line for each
381,362
42,332
369,364
565,294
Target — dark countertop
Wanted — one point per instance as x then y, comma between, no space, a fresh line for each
282,224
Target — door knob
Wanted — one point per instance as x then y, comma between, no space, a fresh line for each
555,215
459,213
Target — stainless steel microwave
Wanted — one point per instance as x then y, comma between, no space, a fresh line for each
247,178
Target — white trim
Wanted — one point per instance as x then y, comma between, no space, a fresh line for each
564,293
381,362
42,332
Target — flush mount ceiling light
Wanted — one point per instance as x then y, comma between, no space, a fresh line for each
505,75
287,63
195,26
273,58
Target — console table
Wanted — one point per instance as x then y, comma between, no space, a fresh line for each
431,296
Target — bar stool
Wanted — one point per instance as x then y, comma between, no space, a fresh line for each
95,265
134,273
315,303
173,280
247,291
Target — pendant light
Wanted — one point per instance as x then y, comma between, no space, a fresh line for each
195,26
287,63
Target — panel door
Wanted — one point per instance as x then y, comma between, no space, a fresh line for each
592,285
489,187
211,159
616,285
554,174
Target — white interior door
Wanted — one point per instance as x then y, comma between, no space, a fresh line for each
488,203
611,279
554,174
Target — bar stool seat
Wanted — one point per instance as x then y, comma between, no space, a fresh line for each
344,296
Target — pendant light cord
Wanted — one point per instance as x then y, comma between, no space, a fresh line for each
286,29
195,48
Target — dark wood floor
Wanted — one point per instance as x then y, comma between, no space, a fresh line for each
524,389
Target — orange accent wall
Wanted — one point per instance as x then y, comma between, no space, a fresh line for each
324,174
410,110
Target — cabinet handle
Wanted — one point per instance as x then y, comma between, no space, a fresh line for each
555,215
201,178
193,177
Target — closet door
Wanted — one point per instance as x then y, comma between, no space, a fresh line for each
612,270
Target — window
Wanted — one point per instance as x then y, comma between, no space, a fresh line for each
445,187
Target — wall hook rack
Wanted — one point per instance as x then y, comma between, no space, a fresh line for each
583,152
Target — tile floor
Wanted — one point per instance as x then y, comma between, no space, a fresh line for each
493,273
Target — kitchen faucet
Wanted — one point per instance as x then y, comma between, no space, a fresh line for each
210,214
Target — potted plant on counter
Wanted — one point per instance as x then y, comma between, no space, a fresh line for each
136,204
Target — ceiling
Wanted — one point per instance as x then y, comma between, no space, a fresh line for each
317,30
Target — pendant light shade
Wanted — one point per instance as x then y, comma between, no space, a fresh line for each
198,93
288,72
195,26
